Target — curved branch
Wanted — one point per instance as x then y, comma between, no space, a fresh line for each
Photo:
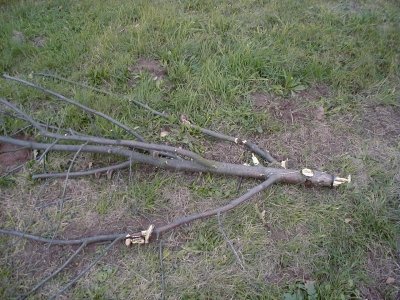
219,210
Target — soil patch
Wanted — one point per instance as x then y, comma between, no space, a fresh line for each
298,109
39,41
151,66
382,122
225,152
12,155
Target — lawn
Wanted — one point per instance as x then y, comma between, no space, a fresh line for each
314,81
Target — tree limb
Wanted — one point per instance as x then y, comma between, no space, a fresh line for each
76,103
260,172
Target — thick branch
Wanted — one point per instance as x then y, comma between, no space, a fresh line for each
260,172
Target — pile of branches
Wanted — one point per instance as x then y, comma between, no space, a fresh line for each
139,151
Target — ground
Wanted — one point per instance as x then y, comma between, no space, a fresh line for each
313,81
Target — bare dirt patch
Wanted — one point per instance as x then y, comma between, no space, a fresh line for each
11,155
298,109
384,271
39,41
312,146
225,151
151,66
382,122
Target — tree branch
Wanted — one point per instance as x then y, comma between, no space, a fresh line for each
105,141
249,145
62,267
74,102
87,269
260,172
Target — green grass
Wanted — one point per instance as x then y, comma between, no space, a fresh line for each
295,242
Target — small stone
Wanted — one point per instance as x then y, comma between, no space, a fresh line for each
390,280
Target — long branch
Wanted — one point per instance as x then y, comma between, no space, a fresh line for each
138,103
219,210
105,141
76,103
158,231
259,172
87,240
248,144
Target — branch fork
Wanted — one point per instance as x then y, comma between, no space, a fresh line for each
140,151
139,238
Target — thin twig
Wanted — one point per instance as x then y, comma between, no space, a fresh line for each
47,150
62,197
62,267
15,169
67,175
138,103
221,229
74,102
87,269
87,240
83,173
251,146
162,277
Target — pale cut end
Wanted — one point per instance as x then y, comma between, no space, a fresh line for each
307,172
284,163
339,180
147,233
255,160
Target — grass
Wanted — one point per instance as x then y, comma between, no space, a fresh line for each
216,56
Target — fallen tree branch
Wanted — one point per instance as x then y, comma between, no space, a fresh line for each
286,175
248,144
87,240
105,141
83,173
141,152
138,103
76,103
